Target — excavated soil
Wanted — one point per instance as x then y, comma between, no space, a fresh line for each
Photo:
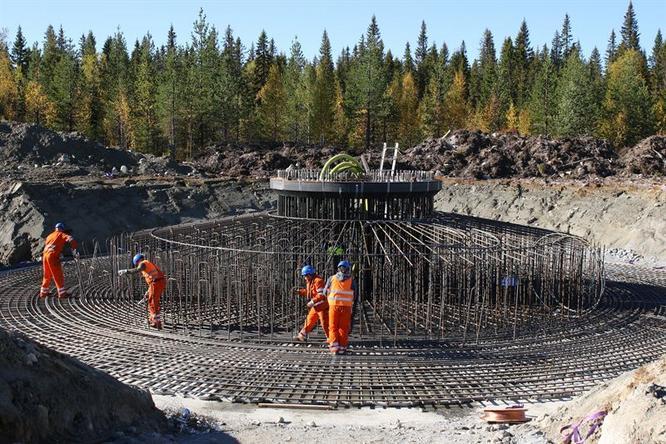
647,157
100,191
634,403
626,217
463,154
46,396
95,210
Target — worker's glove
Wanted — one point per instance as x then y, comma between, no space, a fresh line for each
311,304
122,272
76,254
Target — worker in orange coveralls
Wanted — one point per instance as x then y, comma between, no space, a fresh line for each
53,246
156,284
314,289
341,291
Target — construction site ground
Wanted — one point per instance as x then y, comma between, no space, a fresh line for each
577,186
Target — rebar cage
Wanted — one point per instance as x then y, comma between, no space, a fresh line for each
422,275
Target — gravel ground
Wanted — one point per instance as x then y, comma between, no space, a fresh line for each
225,422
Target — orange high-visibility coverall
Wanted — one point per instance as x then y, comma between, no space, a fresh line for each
314,290
341,290
53,246
156,284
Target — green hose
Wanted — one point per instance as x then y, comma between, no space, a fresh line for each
341,163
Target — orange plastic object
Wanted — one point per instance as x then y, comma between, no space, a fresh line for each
505,415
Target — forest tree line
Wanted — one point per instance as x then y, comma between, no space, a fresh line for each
182,97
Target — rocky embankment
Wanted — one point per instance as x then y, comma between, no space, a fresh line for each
620,215
95,210
46,396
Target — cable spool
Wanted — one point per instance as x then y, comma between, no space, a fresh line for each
509,415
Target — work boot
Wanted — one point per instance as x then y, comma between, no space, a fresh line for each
301,337
65,295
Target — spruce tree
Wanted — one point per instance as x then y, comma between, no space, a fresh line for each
296,100
487,68
114,69
166,92
629,31
658,82
658,64
324,93
611,49
577,108
146,135
392,66
566,37
421,60
556,51
367,83
263,60
459,61
89,106
444,54
474,86
206,72
20,52
50,57
522,56
230,85
63,86
506,90
342,69
407,61
542,103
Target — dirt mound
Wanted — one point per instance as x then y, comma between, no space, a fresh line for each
488,156
634,403
647,157
97,210
259,161
30,151
33,144
46,396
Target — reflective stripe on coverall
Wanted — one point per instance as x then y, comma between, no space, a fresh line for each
340,302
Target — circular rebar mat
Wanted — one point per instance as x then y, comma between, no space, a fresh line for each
447,278
626,329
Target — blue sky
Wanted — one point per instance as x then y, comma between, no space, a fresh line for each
399,21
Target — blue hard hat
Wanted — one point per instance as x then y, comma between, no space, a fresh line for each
138,258
345,264
60,226
308,269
